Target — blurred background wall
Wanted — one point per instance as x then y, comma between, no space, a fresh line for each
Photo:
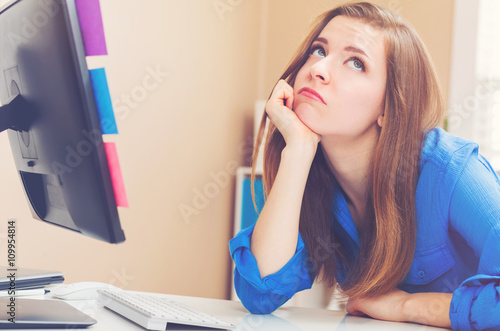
180,142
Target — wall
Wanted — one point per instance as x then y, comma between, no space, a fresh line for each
196,125
196,122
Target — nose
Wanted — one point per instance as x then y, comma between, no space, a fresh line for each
319,71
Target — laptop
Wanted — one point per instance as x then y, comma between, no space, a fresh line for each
42,314
29,278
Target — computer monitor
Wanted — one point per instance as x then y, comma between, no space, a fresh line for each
49,111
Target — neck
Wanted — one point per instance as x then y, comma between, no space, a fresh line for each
350,161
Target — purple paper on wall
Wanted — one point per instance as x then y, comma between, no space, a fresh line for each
90,18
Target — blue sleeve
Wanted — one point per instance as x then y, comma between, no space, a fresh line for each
475,214
263,296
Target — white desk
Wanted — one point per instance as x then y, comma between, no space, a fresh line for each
285,318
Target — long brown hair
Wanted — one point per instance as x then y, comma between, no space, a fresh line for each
413,105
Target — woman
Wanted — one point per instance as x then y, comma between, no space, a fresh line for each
364,191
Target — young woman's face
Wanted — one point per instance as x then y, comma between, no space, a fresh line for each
340,89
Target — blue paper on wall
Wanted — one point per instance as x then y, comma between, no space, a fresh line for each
103,101
248,214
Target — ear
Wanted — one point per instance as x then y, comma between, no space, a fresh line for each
380,120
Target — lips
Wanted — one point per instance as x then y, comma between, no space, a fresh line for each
311,94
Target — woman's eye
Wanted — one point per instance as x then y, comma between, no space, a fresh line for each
356,64
318,51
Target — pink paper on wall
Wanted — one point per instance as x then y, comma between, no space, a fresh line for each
90,18
116,175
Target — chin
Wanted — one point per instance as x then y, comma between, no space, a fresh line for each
306,114
303,110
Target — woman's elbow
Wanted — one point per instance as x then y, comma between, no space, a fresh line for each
265,304
257,299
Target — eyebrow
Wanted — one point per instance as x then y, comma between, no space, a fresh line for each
347,49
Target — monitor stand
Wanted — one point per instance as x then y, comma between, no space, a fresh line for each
17,114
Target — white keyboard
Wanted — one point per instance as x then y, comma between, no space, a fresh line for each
155,312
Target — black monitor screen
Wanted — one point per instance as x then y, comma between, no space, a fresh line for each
50,114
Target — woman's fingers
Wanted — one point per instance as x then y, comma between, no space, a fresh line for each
279,109
276,105
289,100
279,106
284,94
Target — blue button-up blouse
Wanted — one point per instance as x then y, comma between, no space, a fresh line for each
457,248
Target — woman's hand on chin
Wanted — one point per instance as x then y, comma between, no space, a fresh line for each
279,109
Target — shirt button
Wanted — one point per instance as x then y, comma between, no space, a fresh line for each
421,274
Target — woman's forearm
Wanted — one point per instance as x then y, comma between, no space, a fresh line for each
274,238
428,308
